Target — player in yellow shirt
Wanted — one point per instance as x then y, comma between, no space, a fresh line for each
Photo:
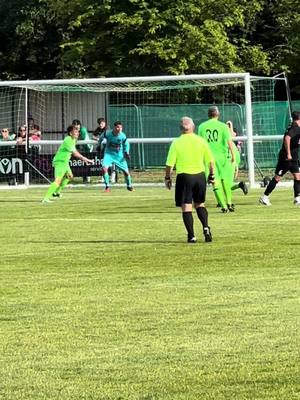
192,157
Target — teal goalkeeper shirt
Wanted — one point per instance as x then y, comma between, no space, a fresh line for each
116,145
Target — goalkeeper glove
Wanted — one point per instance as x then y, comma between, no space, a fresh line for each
211,178
127,156
168,182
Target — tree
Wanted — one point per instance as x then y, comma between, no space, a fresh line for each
92,38
277,31
29,40
159,37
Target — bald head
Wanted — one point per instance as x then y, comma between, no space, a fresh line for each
187,125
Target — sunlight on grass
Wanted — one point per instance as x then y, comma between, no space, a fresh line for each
102,298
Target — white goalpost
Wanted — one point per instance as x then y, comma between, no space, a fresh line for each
150,109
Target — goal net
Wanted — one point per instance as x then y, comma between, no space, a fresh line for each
150,109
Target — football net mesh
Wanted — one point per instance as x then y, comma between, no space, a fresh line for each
148,109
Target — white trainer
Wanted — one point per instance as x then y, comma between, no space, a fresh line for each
297,201
265,200
47,201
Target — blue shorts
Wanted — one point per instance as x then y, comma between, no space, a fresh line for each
118,160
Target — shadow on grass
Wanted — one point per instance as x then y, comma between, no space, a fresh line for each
18,201
107,241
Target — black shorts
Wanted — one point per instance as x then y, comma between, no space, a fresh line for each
190,188
283,166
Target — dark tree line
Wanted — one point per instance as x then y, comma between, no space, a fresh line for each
88,38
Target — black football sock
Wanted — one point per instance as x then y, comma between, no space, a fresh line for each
188,223
271,186
203,216
296,188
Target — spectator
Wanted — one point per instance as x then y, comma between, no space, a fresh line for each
83,148
192,156
6,136
100,130
116,152
21,134
35,135
8,151
33,130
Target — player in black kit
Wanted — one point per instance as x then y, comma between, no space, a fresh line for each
288,160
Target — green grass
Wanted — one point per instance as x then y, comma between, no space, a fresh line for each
103,299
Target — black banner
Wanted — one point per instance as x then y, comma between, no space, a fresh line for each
14,163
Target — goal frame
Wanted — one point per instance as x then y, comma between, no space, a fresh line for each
227,77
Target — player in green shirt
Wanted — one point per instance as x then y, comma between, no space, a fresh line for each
191,156
237,160
60,162
218,137
83,148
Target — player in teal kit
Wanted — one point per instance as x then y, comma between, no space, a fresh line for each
116,152
62,170
219,140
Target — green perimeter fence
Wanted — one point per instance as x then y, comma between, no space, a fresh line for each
162,121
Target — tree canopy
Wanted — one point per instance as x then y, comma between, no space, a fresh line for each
89,38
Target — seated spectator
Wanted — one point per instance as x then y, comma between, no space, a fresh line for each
83,135
34,136
8,151
33,130
21,134
6,136
101,129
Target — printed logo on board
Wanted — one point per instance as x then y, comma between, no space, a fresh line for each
11,166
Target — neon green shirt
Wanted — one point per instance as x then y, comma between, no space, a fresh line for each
237,156
189,153
217,135
65,150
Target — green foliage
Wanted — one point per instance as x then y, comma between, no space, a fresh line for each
88,38
29,39
102,298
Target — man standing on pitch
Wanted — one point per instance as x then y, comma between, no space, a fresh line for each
288,160
62,170
191,156
219,139
116,152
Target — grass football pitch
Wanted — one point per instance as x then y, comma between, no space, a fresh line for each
103,299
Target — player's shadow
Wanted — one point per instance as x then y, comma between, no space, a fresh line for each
18,201
120,241
125,210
